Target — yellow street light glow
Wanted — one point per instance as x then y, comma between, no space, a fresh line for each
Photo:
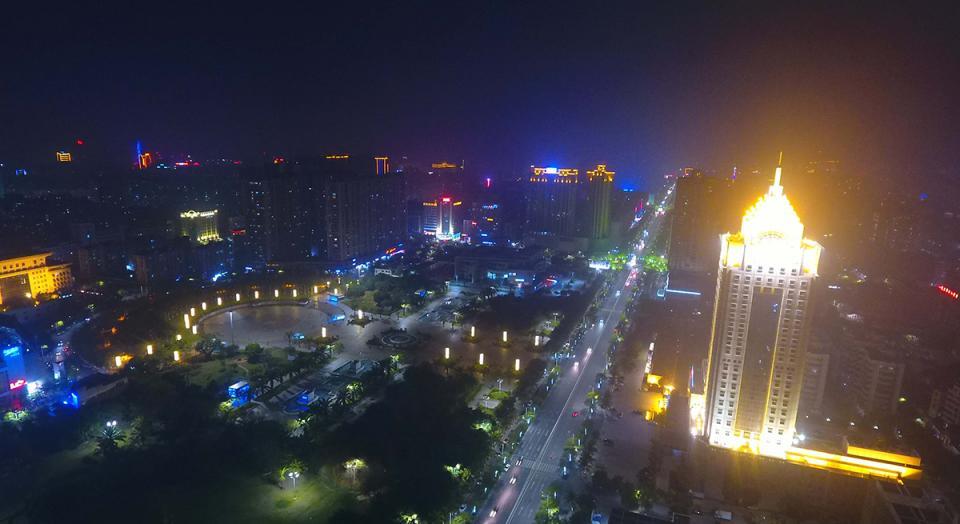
504,336
194,329
481,359
149,349
176,356
186,321
516,365
446,353
219,301
118,361
203,306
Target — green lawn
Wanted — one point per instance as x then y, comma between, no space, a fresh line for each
245,499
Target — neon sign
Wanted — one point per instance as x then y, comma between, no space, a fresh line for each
948,292
17,384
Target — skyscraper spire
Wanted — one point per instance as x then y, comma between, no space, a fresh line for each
776,177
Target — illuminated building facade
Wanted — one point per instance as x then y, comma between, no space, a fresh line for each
382,164
29,276
64,157
551,195
760,328
440,218
13,377
600,184
200,226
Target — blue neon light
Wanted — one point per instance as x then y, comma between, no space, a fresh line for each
11,352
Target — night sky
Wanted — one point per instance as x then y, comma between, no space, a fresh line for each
501,84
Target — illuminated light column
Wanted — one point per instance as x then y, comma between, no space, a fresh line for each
276,293
336,291
765,281
149,349
237,296
256,295
316,289
194,329
203,306
186,321
179,337
504,336
473,331
176,356
193,312
118,361
446,353
360,314
536,340
219,301
294,293
516,365
481,359
323,332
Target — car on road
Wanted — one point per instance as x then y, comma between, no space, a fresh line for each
513,479
520,460
575,414
493,512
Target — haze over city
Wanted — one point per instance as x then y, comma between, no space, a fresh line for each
503,263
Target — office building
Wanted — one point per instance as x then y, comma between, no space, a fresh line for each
760,328
200,227
382,164
600,187
441,218
551,198
28,277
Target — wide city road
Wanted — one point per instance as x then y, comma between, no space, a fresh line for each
541,451
542,445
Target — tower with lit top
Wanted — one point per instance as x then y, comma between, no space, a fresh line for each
761,324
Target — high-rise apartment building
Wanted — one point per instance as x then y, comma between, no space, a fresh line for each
600,185
760,327
551,195
695,225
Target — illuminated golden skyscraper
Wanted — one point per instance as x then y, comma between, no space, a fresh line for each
761,325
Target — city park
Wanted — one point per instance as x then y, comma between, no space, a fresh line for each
178,356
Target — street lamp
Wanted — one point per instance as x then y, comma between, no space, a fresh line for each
194,329
473,331
481,359
237,296
504,336
176,356
203,306
323,332
276,293
193,312
360,314
179,337
294,293
186,321
219,301
294,475
118,361
446,353
536,340
256,295
149,349
316,289
516,365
